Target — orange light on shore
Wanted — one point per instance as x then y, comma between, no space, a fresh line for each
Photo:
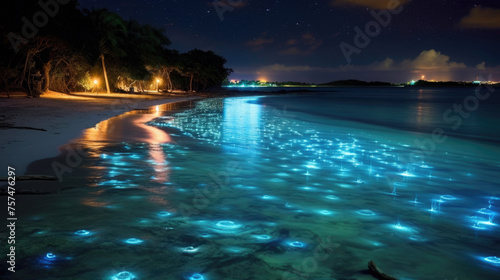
157,84
423,77
95,82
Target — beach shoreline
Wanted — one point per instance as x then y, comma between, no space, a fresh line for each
35,129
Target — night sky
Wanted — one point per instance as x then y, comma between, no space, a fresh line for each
300,40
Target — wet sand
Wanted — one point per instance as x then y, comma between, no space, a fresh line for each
33,129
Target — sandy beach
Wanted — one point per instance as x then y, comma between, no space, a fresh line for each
33,129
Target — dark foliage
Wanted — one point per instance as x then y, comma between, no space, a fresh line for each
70,48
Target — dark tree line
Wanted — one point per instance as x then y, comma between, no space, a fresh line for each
60,47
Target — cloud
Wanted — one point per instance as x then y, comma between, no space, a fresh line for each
480,17
431,60
431,63
259,43
305,45
371,4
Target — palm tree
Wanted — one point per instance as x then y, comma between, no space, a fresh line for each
110,33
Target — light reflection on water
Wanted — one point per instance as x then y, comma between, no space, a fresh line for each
232,188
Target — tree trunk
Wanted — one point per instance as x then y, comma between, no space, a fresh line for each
169,80
46,71
191,83
105,74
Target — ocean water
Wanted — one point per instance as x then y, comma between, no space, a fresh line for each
282,187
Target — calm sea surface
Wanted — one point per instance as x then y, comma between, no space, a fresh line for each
283,187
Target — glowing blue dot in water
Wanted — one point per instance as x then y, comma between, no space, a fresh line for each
267,197
417,238
331,197
228,225
196,276
190,250
478,226
124,275
164,214
262,237
50,256
407,174
82,232
485,211
296,244
325,212
235,250
487,223
398,226
366,212
493,260
134,241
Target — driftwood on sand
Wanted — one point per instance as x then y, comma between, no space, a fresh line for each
31,178
31,191
377,273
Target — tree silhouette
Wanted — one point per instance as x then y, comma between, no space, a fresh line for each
110,32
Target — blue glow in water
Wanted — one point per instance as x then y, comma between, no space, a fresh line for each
407,174
435,205
417,238
164,214
366,212
228,225
296,244
415,201
487,223
50,256
485,211
331,197
196,276
262,237
235,250
124,275
133,241
83,232
493,260
190,250
399,227
267,197
325,212
448,197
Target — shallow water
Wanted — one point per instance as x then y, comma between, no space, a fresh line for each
288,187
